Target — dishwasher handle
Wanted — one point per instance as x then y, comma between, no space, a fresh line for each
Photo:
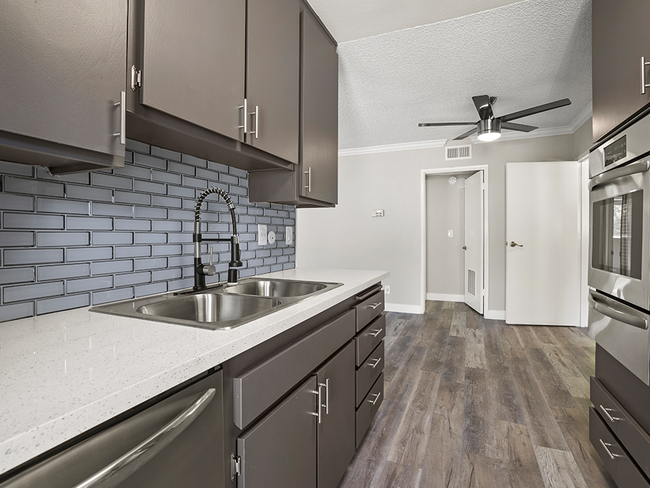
123,467
617,311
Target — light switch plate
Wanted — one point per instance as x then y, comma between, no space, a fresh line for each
261,234
450,233
289,235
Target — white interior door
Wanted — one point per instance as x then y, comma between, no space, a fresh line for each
474,225
543,248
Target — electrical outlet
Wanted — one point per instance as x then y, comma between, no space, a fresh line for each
378,213
387,289
289,235
261,234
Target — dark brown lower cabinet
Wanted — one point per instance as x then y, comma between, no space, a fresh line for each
336,445
280,450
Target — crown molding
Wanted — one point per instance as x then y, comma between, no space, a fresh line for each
392,147
582,117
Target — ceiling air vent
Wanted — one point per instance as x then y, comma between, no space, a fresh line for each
458,152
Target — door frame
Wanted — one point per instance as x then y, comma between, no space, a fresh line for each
423,232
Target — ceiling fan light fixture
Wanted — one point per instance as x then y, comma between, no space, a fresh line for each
489,130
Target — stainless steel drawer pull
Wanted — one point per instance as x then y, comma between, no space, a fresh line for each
122,105
374,365
377,395
244,108
607,445
374,305
257,122
607,414
375,333
644,85
319,403
120,469
327,396
308,185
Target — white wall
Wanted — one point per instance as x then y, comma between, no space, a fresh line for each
348,237
445,256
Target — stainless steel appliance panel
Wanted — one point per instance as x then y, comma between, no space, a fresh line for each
619,252
622,331
625,147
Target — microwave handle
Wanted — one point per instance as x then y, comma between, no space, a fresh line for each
617,311
630,169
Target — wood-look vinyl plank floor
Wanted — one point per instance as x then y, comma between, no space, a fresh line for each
475,403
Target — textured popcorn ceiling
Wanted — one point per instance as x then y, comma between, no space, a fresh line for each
348,20
526,54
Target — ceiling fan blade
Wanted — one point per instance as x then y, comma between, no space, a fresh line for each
441,124
519,127
483,106
464,135
536,110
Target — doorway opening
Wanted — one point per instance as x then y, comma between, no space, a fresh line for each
454,258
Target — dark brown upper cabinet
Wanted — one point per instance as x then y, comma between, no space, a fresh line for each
216,79
62,76
619,43
314,183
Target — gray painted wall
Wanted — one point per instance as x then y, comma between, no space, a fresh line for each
348,237
88,238
445,256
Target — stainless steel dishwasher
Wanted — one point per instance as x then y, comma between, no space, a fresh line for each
176,442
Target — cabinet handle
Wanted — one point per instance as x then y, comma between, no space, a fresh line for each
374,365
326,385
377,395
257,120
644,85
319,402
122,104
244,109
607,414
375,333
120,469
374,305
607,445
308,185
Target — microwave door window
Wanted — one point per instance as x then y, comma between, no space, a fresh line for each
618,233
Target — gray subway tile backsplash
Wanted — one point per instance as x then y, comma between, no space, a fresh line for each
89,238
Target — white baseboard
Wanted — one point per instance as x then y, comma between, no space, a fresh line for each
401,308
495,314
445,297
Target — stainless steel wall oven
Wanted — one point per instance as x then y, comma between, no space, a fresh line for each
619,261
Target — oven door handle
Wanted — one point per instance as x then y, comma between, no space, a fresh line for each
617,311
630,169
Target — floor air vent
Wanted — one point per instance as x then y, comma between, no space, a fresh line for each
458,152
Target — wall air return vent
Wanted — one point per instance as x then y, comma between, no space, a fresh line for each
458,152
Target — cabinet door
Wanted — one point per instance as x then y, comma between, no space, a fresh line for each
280,450
273,77
62,69
193,61
619,40
319,109
336,430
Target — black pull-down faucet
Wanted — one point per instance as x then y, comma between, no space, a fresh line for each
202,270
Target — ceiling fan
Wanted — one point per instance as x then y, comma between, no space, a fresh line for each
489,127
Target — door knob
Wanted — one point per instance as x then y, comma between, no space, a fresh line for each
464,248
514,244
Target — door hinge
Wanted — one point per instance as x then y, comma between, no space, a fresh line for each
136,78
235,466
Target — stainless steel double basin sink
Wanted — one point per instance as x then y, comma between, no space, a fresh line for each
220,306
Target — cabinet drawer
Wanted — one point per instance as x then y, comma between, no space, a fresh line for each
368,408
367,340
369,371
369,309
629,432
261,386
617,463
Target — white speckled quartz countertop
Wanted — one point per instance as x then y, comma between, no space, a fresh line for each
64,373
